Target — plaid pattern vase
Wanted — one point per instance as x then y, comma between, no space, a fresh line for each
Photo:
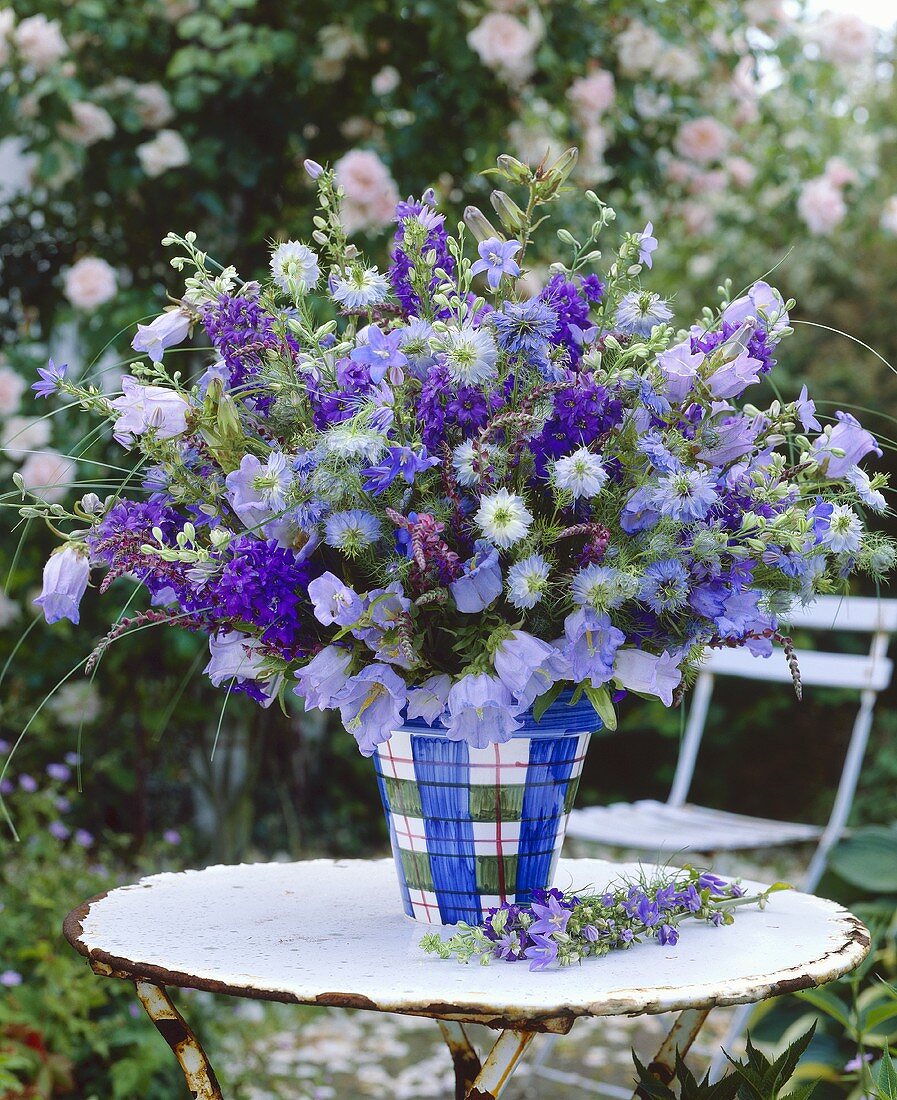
474,828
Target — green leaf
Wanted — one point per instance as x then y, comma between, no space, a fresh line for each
603,704
887,1078
828,1003
868,860
544,701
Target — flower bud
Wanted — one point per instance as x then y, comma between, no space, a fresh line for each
509,213
558,172
313,168
512,169
478,224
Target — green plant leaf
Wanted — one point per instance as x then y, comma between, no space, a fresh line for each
886,1083
603,704
868,860
544,701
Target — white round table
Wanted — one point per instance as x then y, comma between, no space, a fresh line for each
332,933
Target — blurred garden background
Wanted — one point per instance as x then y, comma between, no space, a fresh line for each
760,139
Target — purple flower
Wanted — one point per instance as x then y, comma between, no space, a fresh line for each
172,837
481,711
543,952
571,301
84,838
6,787
148,408
528,666
51,379
60,772
428,700
525,328
648,674
323,678
734,376
647,244
639,513
312,168
667,935
28,783
10,978
333,601
497,260
592,644
236,658
381,352
65,582
58,830
665,586
399,462
371,704
684,496
550,918
849,436
806,412
352,530
591,933
679,366
760,299
166,331
481,581
729,439
640,311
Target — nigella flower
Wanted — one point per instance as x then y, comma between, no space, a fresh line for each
428,700
647,244
380,353
165,332
665,586
371,704
361,289
416,343
580,473
648,674
324,677
333,601
591,646
352,441
528,666
496,260
525,328
503,518
480,583
640,311
481,711
51,379
685,495
602,587
861,481
527,582
399,462
470,354
65,581
294,267
352,530
844,532
469,461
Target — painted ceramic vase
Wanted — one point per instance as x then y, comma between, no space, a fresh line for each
474,828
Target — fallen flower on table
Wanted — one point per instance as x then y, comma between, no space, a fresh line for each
564,927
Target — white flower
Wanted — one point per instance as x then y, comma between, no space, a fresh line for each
21,435
470,354
362,288
154,107
386,81
639,48
527,581
463,462
701,140
75,703
844,531
506,45
40,42
294,267
844,38
148,408
821,206
348,440
90,124
166,150
872,498
503,518
12,386
580,473
90,282
603,587
48,474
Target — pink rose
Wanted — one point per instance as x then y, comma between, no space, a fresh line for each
843,38
838,172
89,283
821,206
12,386
741,171
154,108
89,124
370,191
505,45
592,95
48,474
702,140
40,42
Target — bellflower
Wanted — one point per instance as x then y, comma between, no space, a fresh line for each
591,645
148,408
405,462
480,583
333,601
322,680
528,666
51,379
370,704
496,260
806,412
65,581
733,377
849,436
647,674
679,367
428,700
647,243
481,711
236,658
380,353
165,332
762,302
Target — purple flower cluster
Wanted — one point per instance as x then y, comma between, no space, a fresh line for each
436,240
583,411
441,407
571,300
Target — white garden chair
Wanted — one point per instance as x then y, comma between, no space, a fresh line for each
677,827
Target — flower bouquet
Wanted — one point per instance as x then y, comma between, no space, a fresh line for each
466,512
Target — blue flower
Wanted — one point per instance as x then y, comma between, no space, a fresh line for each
640,311
352,531
51,379
481,711
371,705
550,918
480,583
665,586
65,581
324,677
647,244
399,462
543,952
381,352
497,260
686,495
591,647
333,601
525,328
528,666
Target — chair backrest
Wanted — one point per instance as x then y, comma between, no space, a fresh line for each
866,673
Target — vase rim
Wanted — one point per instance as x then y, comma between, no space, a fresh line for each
560,718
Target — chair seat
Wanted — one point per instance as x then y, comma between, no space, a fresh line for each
657,827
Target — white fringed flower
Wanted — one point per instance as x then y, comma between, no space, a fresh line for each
503,518
527,581
580,473
362,288
294,267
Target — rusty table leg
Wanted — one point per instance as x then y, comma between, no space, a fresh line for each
200,1076
681,1036
499,1065
465,1058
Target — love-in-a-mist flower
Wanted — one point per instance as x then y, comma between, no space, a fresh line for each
845,530
580,473
360,289
685,495
165,332
469,461
352,530
295,268
872,498
470,354
527,582
496,260
65,581
602,587
503,517
665,586
639,312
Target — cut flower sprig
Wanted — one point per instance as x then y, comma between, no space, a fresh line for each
563,927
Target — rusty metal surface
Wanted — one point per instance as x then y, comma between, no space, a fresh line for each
464,1057
170,1024
325,932
500,1064
680,1038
